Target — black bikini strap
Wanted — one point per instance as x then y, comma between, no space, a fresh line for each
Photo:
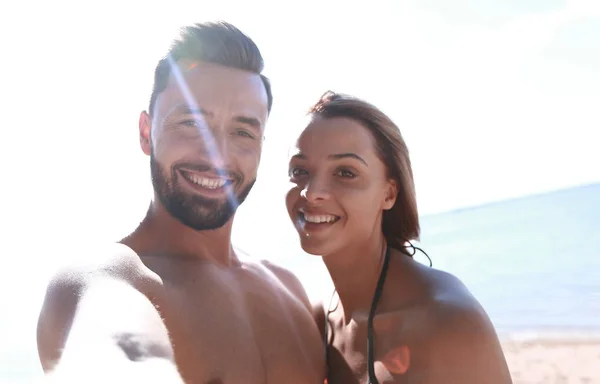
326,333
376,297
326,343
414,251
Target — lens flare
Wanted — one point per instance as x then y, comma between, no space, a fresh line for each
207,136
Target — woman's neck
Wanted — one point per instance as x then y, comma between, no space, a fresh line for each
355,271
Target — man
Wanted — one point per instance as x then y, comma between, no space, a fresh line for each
173,302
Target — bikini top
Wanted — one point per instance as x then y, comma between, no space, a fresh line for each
376,296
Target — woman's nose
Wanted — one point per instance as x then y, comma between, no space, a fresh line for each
315,191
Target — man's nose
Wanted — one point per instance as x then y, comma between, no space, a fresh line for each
216,147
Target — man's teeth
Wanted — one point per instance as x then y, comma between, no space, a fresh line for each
319,218
207,183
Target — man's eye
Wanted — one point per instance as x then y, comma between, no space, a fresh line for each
192,123
244,133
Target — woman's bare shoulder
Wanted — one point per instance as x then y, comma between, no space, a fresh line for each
448,332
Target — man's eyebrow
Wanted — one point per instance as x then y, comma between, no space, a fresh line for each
189,110
251,121
351,155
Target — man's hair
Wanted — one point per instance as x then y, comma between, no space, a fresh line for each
211,42
401,222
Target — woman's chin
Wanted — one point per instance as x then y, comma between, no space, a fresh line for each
314,248
312,252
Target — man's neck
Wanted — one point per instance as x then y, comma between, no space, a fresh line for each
354,272
160,234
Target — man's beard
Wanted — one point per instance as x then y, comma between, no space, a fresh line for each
195,211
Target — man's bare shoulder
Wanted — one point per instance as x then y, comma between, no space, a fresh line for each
290,281
287,277
75,274
293,284
112,260
283,276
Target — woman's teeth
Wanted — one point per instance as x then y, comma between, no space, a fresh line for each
317,219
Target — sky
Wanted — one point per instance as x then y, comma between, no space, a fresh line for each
495,99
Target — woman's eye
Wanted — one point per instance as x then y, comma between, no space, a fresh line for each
297,172
346,174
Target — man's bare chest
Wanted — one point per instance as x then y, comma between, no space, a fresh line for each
238,329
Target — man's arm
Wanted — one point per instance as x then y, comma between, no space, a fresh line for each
97,328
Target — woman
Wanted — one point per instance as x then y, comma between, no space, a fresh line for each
353,203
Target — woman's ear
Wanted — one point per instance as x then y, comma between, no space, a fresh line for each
390,195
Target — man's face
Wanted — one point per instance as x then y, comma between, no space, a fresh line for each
205,141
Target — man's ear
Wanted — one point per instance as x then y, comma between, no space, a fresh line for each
145,127
390,195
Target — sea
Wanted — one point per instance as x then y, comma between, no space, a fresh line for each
532,262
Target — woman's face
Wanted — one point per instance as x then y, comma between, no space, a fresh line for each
339,186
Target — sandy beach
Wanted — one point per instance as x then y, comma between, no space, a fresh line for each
550,360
